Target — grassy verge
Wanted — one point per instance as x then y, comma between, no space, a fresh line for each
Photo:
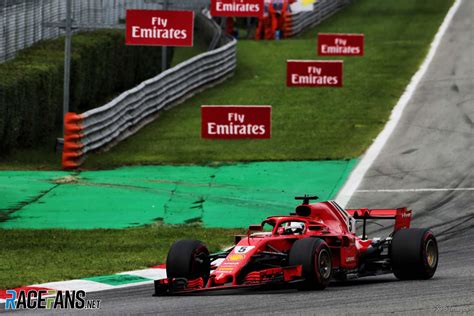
39,256
31,84
43,156
308,123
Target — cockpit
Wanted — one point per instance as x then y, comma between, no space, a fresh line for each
285,227
291,228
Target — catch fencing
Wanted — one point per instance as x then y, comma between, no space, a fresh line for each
103,127
297,22
25,22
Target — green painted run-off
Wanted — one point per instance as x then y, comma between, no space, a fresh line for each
224,196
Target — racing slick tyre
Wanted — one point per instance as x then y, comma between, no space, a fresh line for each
414,254
188,259
314,256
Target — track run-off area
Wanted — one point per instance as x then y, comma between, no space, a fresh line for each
137,196
426,163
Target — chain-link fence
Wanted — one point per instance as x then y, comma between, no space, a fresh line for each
25,22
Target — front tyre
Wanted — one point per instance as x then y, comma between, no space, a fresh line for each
314,256
414,254
188,259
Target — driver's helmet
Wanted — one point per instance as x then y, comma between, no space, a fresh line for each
294,228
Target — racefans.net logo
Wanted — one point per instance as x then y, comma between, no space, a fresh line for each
49,299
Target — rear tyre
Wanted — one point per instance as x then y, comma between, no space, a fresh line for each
414,254
188,259
314,256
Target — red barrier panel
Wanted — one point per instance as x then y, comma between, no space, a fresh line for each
72,148
314,73
236,122
340,44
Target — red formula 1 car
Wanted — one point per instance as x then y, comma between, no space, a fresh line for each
304,249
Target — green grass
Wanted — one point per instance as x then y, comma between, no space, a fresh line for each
43,157
39,256
308,123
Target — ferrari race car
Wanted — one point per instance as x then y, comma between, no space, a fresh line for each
305,249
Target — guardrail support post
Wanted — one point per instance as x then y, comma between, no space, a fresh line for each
164,62
5,33
67,60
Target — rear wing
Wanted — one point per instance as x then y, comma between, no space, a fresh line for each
402,217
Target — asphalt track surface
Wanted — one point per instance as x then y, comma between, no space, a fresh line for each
431,148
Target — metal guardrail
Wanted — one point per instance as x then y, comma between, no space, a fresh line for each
323,9
211,32
103,127
125,114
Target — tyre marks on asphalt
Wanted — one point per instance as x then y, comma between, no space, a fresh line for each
428,162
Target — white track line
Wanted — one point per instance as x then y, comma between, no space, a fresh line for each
415,190
374,150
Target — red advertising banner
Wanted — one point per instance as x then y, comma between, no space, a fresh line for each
237,7
340,44
235,122
159,28
314,73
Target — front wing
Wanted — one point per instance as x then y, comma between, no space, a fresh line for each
257,279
